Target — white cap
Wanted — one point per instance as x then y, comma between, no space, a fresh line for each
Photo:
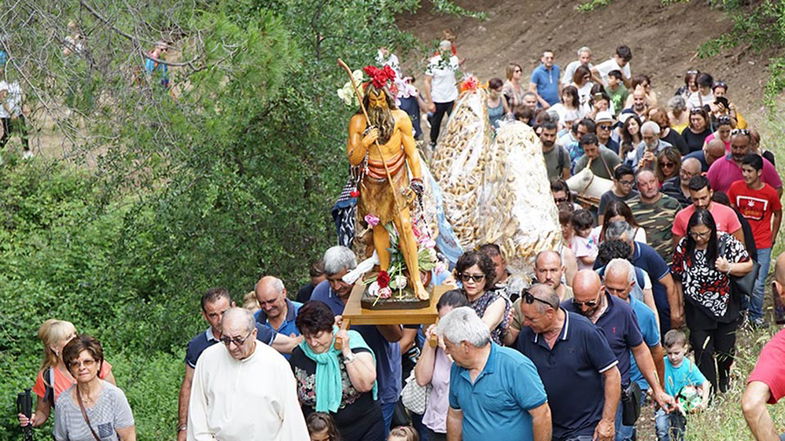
604,116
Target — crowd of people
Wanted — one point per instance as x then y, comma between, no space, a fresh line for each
641,304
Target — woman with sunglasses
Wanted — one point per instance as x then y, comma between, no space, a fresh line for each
668,164
695,134
54,377
341,382
92,409
703,262
512,89
476,272
433,369
581,80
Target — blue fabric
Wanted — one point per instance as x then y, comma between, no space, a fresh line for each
3,58
287,327
669,426
756,300
205,339
620,327
572,368
412,108
446,240
650,261
496,404
647,321
623,433
700,156
685,375
613,145
159,69
547,81
388,409
388,355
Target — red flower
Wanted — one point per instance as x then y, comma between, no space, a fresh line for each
383,279
379,77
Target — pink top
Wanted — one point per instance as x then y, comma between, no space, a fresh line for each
725,172
711,138
435,416
724,217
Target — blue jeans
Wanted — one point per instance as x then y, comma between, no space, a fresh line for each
756,301
669,426
387,413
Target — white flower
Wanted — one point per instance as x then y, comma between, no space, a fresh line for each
346,93
398,282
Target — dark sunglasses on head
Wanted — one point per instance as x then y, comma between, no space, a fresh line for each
476,278
723,120
529,299
695,110
720,84
745,132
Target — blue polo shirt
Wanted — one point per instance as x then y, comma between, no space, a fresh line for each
650,261
571,372
495,406
621,329
287,326
547,81
388,355
205,339
647,321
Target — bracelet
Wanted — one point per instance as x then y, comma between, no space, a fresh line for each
182,428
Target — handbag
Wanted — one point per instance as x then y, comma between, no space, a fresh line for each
742,285
414,396
631,404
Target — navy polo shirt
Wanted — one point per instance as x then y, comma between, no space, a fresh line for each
388,355
647,259
495,406
620,327
571,372
205,339
287,326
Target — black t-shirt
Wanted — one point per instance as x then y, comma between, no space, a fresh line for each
675,139
694,140
304,293
359,418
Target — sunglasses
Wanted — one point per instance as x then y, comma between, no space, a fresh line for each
604,126
589,303
238,341
720,84
695,110
667,164
529,299
476,278
723,120
745,132
560,200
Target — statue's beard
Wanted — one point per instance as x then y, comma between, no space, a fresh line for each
382,119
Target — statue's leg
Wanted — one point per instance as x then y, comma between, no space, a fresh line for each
381,242
408,245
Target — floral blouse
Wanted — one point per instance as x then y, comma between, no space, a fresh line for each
483,302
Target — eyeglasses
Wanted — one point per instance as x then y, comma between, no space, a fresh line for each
667,164
625,183
529,299
696,235
86,363
238,341
604,126
476,278
560,200
745,132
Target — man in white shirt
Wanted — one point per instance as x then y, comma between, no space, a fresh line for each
11,116
242,390
584,59
619,61
440,88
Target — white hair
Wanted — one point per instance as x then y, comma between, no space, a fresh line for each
618,264
650,126
463,324
239,315
618,230
339,258
583,49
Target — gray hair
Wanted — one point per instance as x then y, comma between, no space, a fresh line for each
583,49
651,126
339,258
463,324
618,264
529,94
240,315
677,102
547,294
618,230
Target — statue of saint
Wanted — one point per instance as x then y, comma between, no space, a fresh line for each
384,148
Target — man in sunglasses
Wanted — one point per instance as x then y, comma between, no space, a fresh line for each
243,390
678,187
727,170
620,326
576,366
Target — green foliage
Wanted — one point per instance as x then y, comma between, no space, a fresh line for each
591,5
449,7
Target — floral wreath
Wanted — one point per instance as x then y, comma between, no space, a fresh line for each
380,77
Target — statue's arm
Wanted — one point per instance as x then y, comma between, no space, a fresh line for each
409,146
355,150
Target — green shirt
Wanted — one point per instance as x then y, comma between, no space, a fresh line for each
657,220
618,97
598,166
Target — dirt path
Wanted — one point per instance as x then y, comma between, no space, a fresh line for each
664,40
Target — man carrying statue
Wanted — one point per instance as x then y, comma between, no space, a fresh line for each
381,143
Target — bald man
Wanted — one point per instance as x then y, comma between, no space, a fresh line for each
617,320
766,383
712,151
277,311
678,187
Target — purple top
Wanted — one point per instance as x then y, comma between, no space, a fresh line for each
435,416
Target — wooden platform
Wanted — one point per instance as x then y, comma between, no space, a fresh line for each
355,314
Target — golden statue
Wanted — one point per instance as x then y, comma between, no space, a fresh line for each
383,150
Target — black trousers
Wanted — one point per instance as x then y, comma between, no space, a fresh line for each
13,126
438,116
714,352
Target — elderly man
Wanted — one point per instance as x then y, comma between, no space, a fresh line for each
709,154
584,59
576,365
545,81
495,392
766,383
654,211
617,320
549,270
605,123
701,193
335,291
601,160
619,281
646,151
215,302
678,187
243,391
727,170
277,311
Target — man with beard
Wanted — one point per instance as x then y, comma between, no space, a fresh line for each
646,152
385,146
557,160
601,160
549,270
678,187
727,170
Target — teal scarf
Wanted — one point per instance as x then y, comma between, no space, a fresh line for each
329,389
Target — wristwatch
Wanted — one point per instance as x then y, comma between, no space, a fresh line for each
348,358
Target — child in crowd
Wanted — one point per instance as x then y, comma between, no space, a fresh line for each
582,244
616,91
403,433
321,427
683,381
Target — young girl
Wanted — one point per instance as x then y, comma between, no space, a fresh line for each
582,244
403,433
321,427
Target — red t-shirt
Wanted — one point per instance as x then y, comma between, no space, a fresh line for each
770,368
756,206
724,217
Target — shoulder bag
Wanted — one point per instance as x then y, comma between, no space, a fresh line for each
741,285
84,414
